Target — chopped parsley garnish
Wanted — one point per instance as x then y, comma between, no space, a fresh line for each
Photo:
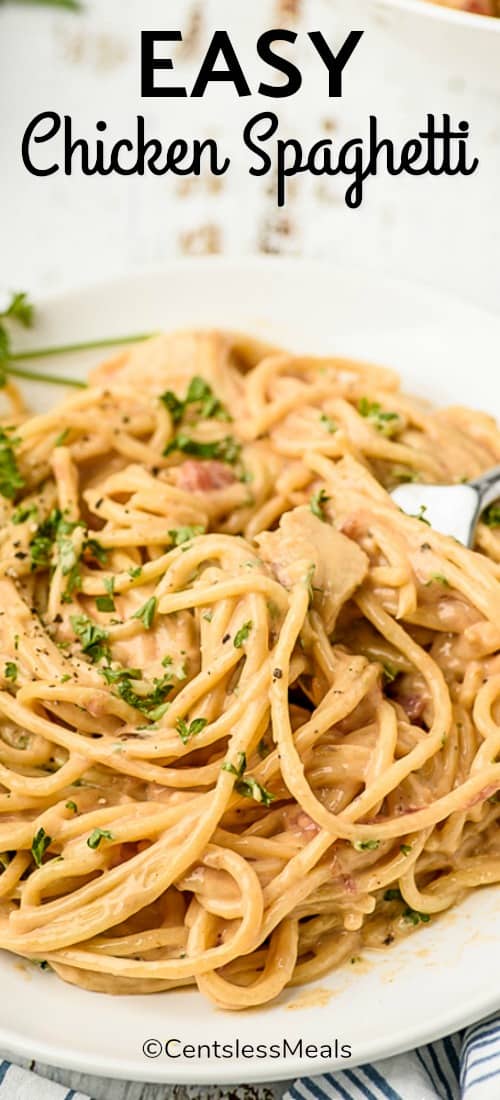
147,612
10,478
10,671
113,675
68,557
491,517
393,895
242,634
317,504
57,530
438,578
153,704
179,535
411,916
97,835
249,788
366,845
404,474
105,603
187,730
92,549
24,512
92,637
19,309
239,768
43,540
328,423
420,515
135,572
385,422
39,846
389,672
200,397
61,438
405,849
225,450
72,806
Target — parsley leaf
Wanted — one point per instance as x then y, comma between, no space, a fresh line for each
438,578
199,393
420,515
147,612
23,513
317,504
179,535
92,637
10,478
411,916
393,895
20,308
385,422
153,705
242,634
113,675
97,835
366,845
43,540
249,788
187,731
225,450
11,671
491,517
239,768
68,557
105,603
328,423
39,846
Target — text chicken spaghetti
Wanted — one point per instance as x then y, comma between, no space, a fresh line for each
249,710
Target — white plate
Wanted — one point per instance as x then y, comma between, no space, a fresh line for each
443,976
447,15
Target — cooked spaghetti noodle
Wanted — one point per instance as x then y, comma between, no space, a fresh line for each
249,711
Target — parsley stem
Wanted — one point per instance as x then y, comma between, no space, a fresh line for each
67,349
36,376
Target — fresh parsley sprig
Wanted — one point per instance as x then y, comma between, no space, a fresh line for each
69,5
20,310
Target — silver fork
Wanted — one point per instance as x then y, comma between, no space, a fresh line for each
452,509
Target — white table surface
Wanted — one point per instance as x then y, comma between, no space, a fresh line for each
59,232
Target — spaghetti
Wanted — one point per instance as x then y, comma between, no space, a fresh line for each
249,711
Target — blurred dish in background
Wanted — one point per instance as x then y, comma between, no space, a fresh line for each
474,7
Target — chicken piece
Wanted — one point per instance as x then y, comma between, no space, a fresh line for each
304,544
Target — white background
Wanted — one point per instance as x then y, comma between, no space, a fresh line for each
59,232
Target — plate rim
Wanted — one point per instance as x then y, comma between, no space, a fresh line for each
381,1046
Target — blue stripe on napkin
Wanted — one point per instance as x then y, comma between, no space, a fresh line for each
464,1066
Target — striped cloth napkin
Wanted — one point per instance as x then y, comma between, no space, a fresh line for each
465,1066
